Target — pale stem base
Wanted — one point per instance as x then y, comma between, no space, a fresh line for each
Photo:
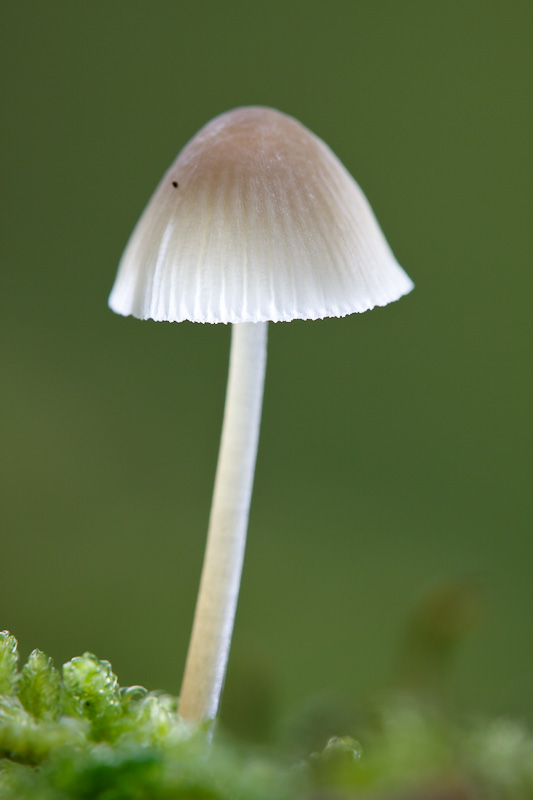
221,574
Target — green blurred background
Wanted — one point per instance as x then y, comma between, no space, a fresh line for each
395,450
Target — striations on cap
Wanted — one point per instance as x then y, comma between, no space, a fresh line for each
256,220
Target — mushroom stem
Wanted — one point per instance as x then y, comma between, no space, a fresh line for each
221,574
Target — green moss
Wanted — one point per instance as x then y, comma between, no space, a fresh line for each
91,691
39,687
79,736
8,663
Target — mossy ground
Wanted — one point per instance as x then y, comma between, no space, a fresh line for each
78,735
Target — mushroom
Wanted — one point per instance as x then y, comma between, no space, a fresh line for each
255,220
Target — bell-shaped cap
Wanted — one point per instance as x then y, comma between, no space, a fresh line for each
256,220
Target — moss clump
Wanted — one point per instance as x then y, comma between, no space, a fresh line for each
77,735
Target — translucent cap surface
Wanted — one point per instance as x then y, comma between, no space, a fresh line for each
256,220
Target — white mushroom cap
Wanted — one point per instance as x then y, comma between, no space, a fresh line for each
256,220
